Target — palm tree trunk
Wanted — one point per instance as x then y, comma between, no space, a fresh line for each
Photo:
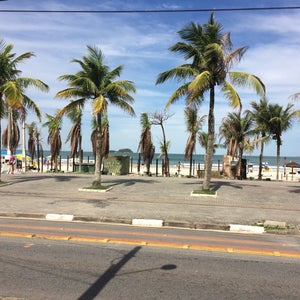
278,158
210,141
239,168
260,160
23,145
98,161
80,153
9,130
191,163
166,160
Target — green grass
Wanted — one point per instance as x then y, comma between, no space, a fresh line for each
204,192
2,182
97,187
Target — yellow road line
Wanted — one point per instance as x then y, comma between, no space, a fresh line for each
153,243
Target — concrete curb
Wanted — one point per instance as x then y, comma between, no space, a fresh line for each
238,228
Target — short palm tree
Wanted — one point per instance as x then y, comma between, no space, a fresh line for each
54,139
240,129
104,136
74,135
193,125
96,82
210,57
261,116
146,147
31,143
281,119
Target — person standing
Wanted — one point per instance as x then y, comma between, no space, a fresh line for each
11,164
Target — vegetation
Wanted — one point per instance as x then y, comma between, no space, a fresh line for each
193,125
54,138
158,118
209,58
96,82
204,192
146,147
13,100
208,61
74,135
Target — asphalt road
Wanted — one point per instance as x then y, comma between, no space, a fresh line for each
48,269
254,244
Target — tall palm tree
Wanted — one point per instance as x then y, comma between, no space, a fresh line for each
281,119
209,57
193,125
146,147
9,71
74,135
12,89
96,82
261,116
54,139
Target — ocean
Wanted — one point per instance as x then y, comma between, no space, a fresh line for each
198,158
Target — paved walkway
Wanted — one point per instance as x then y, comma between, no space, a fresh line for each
169,199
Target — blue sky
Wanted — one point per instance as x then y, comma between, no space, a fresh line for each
140,42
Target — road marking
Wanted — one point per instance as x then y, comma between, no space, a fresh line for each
154,243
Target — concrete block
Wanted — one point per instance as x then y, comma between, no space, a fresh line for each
147,222
59,217
246,228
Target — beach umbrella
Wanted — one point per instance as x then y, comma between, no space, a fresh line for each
292,165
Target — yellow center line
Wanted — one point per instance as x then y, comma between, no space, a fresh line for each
156,243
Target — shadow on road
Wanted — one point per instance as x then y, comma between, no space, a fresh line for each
109,274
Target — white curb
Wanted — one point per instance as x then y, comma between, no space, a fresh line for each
246,228
59,217
147,222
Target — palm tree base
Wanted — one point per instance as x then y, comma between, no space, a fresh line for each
96,183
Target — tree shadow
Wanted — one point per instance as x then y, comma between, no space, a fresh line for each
108,275
95,289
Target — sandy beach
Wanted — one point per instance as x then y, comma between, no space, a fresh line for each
184,170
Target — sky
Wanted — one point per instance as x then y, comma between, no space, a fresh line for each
140,42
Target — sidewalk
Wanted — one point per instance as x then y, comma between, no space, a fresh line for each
139,197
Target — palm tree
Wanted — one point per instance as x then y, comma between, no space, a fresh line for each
193,125
281,120
146,147
31,146
54,138
241,130
9,71
12,90
210,57
74,135
261,116
96,82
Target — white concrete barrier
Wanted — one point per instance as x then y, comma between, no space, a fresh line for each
246,228
59,217
147,222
